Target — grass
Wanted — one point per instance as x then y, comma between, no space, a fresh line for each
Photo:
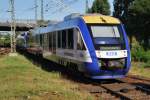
21,80
141,69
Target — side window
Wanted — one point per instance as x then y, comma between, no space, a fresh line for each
44,44
38,40
59,39
46,41
70,39
80,44
63,39
35,40
54,41
41,40
50,41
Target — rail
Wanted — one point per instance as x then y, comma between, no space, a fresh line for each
4,51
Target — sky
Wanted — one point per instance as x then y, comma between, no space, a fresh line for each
53,9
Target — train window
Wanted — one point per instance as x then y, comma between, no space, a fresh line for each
40,39
35,40
54,41
80,44
44,45
63,39
50,41
46,41
59,39
70,39
66,39
110,31
43,41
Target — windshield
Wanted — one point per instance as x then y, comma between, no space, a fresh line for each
107,36
105,31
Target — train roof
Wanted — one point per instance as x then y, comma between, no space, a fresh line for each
69,22
94,18
98,18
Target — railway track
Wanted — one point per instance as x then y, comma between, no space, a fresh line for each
4,51
118,90
139,78
127,91
128,88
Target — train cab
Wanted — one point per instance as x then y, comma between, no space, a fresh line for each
110,44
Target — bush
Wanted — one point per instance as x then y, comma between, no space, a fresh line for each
137,51
146,56
139,54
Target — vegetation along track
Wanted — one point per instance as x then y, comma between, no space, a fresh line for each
128,88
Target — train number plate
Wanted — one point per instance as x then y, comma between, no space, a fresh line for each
111,54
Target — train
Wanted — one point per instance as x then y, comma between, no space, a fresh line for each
93,44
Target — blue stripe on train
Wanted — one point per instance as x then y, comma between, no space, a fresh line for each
128,60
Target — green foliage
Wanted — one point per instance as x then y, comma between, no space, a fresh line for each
121,9
146,57
135,15
138,53
100,6
139,21
5,40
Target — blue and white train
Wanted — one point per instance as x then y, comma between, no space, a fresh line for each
94,44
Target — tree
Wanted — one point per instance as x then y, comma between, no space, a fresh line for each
139,21
100,6
121,8
136,17
5,40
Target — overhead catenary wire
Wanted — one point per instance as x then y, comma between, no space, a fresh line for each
61,6
42,10
66,7
36,6
52,7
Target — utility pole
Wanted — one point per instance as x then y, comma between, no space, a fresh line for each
13,27
41,23
42,13
87,6
36,11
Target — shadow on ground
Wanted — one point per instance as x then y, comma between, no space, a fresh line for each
50,66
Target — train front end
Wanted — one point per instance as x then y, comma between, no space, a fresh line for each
112,54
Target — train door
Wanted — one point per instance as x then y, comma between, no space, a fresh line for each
79,44
79,49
